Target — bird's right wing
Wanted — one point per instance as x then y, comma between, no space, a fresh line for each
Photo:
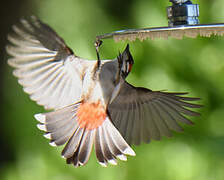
46,67
141,114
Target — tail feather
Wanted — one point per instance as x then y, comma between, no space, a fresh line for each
114,149
61,137
118,140
73,159
82,153
63,126
66,130
86,147
98,148
60,124
57,116
108,155
73,143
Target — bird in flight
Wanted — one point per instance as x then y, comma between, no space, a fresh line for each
92,104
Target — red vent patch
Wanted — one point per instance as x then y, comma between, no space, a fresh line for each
91,115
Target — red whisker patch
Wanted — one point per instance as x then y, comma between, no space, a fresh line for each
91,115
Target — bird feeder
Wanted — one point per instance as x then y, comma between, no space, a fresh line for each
182,21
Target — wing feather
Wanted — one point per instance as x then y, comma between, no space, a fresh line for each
170,121
150,124
44,65
151,114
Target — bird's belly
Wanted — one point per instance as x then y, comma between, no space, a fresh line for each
96,93
92,92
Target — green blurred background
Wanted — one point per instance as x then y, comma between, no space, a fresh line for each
192,65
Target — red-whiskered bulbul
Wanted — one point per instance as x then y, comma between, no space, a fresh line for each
93,104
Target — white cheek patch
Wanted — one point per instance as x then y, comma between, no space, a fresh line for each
126,67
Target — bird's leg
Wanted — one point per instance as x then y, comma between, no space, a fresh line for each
97,44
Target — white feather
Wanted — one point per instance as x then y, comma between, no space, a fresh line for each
40,117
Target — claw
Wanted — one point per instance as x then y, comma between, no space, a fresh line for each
97,44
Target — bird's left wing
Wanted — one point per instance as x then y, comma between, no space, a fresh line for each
46,67
141,114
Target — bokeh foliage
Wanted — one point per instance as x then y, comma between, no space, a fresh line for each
192,65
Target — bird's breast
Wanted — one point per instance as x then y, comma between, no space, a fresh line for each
92,91
101,86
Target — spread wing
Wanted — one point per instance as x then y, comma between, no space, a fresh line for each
141,114
47,69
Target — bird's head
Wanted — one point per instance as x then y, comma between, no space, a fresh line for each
125,62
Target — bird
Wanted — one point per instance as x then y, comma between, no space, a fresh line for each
91,104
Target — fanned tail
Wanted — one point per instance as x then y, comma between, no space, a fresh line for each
69,126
